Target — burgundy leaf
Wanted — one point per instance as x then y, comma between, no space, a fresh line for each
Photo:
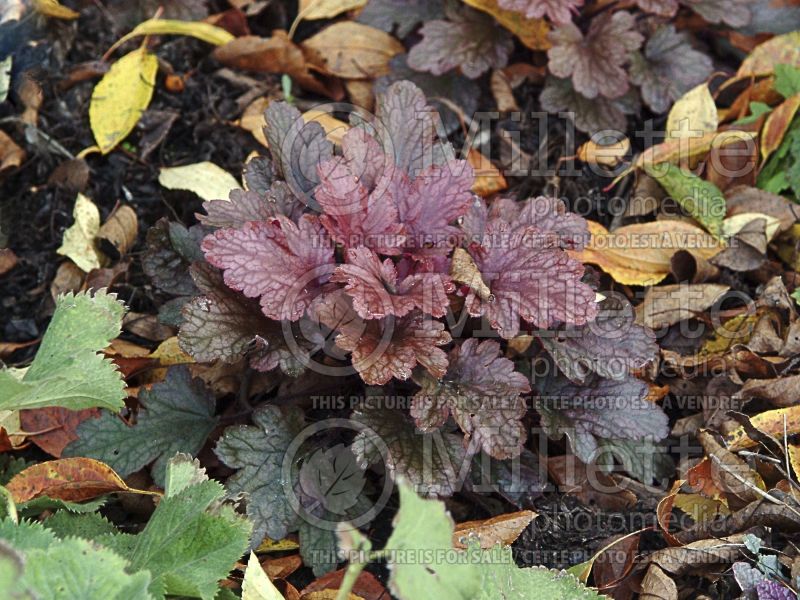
378,291
482,391
282,263
354,214
668,68
558,11
523,277
468,39
595,61
547,214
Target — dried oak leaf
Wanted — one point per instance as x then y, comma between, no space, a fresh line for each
282,263
589,115
611,346
224,325
407,451
526,276
602,409
468,39
384,348
558,11
405,14
668,68
595,61
482,391
352,194
381,289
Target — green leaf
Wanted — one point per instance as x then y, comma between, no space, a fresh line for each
178,416
88,526
77,569
787,80
190,543
68,370
423,534
756,110
700,198
27,535
257,452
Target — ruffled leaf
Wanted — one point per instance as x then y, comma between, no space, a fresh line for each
558,11
482,391
589,115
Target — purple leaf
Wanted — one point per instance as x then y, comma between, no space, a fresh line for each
595,61
558,11
468,39
482,391
589,115
662,8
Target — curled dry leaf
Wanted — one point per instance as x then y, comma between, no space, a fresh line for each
353,51
667,304
605,155
640,254
502,529
69,479
118,233
771,422
54,427
780,50
777,124
11,155
79,242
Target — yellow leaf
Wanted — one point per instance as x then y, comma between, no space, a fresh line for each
211,34
51,8
782,49
334,128
253,121
606,155
777,124
700,508
269,545
794,458
205,179
640,254
121,96
693,115
531,32
770,422
488,179
326,9
683,149
256,584
78,243
354,51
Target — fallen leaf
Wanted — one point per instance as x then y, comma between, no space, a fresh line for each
668,304
605,155
730,473
256,584
352,50
694,114
32,96
488,179
503,92
502,529
8,260
11,155
366,587
605,562
205,179
52,428
253,121
68,278
78,243
657,585
51,8
782,49
5,76
269,545
641,254
531,32
120,97
326,9
206,32
700,508
118,234
281,567
69,479
794,457
770,422
685,150
777,124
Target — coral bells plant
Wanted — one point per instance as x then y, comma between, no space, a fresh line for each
377,260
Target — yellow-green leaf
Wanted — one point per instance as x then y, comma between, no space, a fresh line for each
121,96
693,115
205,179
327,9
52,8
78,243
256,584
206,32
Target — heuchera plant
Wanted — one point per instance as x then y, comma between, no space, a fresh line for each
361,260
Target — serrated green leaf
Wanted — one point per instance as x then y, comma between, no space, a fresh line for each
701,199
76,569
787,80
67,370
89,526
178,416
38,505
183,471
190,543
27,535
